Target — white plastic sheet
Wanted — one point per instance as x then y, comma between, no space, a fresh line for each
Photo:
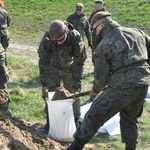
61,119
148,95
112,126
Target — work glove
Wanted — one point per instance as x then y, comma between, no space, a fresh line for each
92,95
44,93
76,86
90,43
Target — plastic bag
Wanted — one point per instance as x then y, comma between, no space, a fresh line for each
61,119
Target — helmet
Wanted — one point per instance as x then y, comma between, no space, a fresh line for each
99,15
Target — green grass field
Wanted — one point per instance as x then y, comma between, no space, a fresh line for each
30,20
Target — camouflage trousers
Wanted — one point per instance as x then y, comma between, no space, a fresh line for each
63,76
129,102
3,71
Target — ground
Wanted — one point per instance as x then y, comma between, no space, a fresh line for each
17,134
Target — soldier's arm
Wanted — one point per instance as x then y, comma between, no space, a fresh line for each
79,59
101,71
44,60
88,33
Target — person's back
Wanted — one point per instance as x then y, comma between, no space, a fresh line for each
125,49
80,22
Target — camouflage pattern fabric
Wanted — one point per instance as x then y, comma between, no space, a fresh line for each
81,24
3,70
62,62
128,102
5,23
121,68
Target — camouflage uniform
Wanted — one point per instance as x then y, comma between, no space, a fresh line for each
3,71
4,95
5,22
62,63
81,24
95,39
122,71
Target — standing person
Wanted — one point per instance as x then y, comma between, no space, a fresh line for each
99,6
122,72
61,58
5,22
81,23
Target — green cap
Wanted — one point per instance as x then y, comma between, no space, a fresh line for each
99,15
57,29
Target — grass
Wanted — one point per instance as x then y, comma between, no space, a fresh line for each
30,20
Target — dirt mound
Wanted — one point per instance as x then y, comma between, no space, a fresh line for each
18,134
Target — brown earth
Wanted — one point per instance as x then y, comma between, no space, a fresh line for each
17,134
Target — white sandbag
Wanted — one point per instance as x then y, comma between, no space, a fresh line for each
61,119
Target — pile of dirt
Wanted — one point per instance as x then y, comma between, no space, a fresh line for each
16,134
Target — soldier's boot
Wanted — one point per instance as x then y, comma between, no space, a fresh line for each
45,129
130,146
76,145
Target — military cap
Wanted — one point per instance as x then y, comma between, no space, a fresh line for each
57,29
99,15
98,1
79,6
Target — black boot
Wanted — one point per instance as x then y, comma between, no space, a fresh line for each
130,146
76,145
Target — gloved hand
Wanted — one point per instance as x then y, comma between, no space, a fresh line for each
90,43
44,93
92,94
76,86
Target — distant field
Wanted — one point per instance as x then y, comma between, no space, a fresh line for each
32,17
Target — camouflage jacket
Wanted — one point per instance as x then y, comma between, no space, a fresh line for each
120,58
5,22
81,24
70,55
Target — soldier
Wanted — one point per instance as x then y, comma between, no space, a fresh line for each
5,22
122,72
81,23
61,59
4,96
99,6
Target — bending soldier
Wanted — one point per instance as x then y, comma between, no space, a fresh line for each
122,72
61,59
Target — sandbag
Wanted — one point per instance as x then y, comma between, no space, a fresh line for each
60,94
61,119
